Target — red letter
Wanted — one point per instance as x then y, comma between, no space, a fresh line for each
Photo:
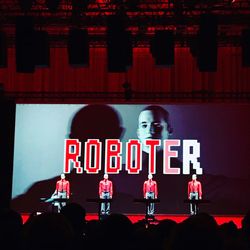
89,145
152,153
72,150
167,154
129,159
113,153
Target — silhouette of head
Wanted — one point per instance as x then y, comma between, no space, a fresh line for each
75,213
246,223
96,121
42,230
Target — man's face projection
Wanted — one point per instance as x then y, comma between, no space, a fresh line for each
151,125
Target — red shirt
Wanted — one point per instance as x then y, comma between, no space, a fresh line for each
63,186
194,186
150,186
106,186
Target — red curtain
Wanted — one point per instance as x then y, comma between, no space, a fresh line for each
143,76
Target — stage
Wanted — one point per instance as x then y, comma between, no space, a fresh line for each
220,219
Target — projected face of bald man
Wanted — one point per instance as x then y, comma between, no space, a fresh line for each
151,125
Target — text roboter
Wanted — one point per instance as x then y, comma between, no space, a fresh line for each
133,158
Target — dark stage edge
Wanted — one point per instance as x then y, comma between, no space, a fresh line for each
220,219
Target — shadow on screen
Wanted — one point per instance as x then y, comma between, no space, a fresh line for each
95,121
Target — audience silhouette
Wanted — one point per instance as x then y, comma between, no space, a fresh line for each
70,230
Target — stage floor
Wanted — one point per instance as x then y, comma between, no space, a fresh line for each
220,219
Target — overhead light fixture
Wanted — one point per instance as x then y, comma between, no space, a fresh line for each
119,45
78,47
207,43
25,52
42,48
162,47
